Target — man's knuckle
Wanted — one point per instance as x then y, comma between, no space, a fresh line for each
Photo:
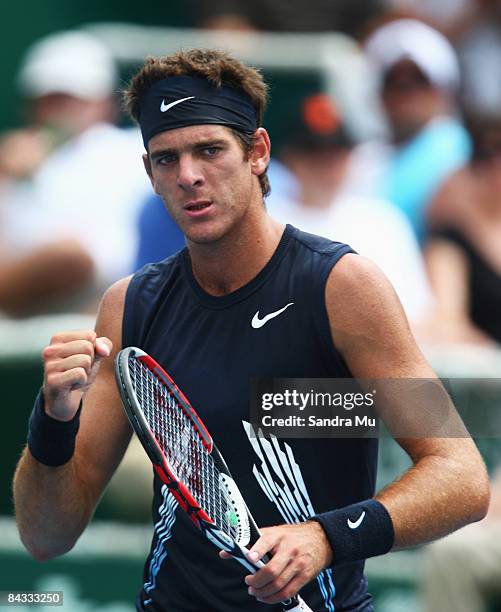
52,379
89,336
288,592
87,348
48,351
80,373
279,583
50,366
87,362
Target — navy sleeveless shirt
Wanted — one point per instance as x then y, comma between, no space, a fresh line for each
211,350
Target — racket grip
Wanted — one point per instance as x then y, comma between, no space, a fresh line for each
294,604
239,552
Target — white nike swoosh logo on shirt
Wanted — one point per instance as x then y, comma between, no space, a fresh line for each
358,522
257,322
165,107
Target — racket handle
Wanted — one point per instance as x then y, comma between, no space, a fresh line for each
239,552
294,604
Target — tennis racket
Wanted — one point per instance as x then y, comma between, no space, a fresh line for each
186,459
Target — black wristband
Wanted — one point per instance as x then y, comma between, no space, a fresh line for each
358,531
50,441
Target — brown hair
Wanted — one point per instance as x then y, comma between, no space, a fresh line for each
218,68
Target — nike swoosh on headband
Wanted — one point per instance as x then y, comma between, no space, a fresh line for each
165,107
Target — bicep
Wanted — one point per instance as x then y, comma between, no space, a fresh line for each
371,331
368,324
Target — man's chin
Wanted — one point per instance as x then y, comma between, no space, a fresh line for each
203,236
201,239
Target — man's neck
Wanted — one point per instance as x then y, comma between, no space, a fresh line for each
230,263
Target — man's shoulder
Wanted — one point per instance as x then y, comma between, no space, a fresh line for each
160,269
114,296
111,311
150,288
149,282
357,271
312,258
360,300
318,244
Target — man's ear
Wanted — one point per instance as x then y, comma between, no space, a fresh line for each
147,167
260,154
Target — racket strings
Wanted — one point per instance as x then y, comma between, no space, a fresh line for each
182,446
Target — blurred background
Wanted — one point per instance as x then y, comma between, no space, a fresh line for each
385,118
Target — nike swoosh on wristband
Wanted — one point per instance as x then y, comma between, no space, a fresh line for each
257,322
165,107
358,522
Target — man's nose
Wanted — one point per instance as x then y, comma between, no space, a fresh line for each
189,173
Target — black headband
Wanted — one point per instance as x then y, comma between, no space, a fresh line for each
189,100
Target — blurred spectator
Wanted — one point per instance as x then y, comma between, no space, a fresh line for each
317,154
479,50
462,572
70,182
474,28
418,74
347,16
463,253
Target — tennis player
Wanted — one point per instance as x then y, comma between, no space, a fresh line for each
246,298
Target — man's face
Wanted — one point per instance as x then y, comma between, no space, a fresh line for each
205,181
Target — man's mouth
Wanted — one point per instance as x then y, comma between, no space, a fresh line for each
198,209
195,206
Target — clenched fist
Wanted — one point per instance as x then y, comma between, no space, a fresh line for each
71,363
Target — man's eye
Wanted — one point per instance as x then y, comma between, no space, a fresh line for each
212,150
165,160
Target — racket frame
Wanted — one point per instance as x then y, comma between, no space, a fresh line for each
168,475
143,431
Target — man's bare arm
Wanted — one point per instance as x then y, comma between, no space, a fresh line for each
447,487
54,504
